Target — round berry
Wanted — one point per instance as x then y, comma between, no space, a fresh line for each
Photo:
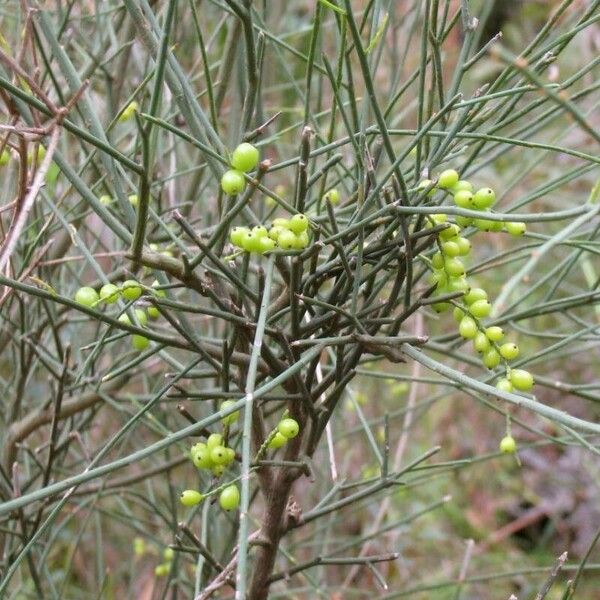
139,342
277,441
275,231
508,445
450,232
288,428
475,294
496,225
450,249
509,351
332,196
162,570
463,221
214,440
252,242
458,314
260,231
441,307
201,456
522,380
504,385
481,343
140,315
229,498
480,309
287,240
131,289
281,222
129,111
454,267
298,223
159,293
168,554
218,470
266,245
458,284
462,185
190,497
105,199
483,224
425,183
233,417
86,296
302,240
467,328
491,358
447,179
483,198
464,246
233,182
4,157
463,198
515,227
494,333
133,199
236,236
439,278
439,218
219,455
229,456
109,293
153,312
245,157
437,260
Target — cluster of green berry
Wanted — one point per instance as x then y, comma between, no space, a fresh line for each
130,290
213,455
286,234
287,429
163,569
448,275
243,159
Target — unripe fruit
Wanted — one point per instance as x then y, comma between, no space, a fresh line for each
86,296
298,223
233,417
260,231
463,221
458,284
190,498
252,242
494,333
287,240
462,185
439,278
491,359
229,456
504,385
105,199
450,249
275,231
425,183
515,227
481,343
131,289
508,445
509,351
214,440
281,222
483,198
153,312
139,342
162,570
201,456
4,157
288,428
41,153
522,380
168,554
496,225
229,498
463,198
467,328
464,246
458,314
480,309
483,224
233,182
277,441
437,260
245,157
475,294
218,470
133,199
140,315
266,245
128,111
332,196
441,307
236,236
109,293
449,232
447,179
454,267
302,240
219,455
439,218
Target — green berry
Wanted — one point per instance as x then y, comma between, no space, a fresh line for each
494,333
131,289
86,296
454,267
439,218
140,315
260,231
441,307
483,198
162,570
252,242
214,440
475,294
233,182
233,417
298,223
133,199
275,231
302,240
467,328
218,470
229,498
458,284
266,245
508,445
159,293
504,385
439,278
509,351
105,199
109,293
200,455
287,240
332,196
447,179
277,441
463,198
281,222
458,314
288,428
190,498
4,158
450,249
425,183
480,309
463,221
236,236
153,312
496,226
462,185
522,380
437,260
464,246
168,554
139,342
450,232
219,455
481,343
491,358
483,224
515,227
245,157
129,111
